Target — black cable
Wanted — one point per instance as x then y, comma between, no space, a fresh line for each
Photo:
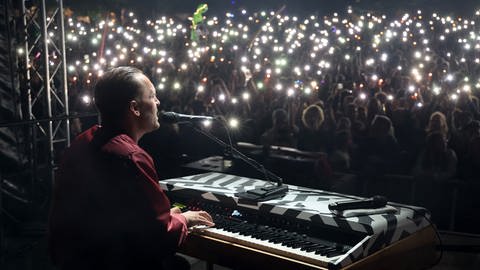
224,124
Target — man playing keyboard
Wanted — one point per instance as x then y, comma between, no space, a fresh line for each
108,211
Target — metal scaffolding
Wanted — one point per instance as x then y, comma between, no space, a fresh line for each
45,87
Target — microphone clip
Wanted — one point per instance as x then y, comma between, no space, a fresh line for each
264,193
370,203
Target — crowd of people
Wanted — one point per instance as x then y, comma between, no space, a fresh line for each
390,95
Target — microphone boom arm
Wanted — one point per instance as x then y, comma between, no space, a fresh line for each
237,154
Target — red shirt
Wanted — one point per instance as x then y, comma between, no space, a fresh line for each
108,211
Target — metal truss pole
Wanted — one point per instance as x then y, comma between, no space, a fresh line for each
46,86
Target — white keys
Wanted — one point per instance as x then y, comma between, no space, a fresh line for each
295,253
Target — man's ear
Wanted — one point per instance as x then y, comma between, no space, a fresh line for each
134,108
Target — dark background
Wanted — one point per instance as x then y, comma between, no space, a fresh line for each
149,7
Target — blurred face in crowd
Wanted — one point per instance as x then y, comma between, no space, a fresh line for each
436,122
313,117
280,119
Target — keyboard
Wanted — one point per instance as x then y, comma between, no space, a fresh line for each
275,234
298,226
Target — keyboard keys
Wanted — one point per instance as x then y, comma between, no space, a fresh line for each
294,243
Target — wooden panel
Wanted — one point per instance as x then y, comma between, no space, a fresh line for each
418,251
237,256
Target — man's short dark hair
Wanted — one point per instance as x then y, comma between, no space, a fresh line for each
114,91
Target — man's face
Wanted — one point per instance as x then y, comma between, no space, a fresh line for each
148,105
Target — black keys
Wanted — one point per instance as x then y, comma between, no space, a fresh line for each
278,236
325,250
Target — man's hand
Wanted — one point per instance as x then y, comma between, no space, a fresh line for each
175,210
198,218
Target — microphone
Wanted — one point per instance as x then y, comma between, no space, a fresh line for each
173,117
370,203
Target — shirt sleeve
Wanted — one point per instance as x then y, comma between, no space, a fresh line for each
174,224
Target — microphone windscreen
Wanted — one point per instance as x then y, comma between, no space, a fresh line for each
168,117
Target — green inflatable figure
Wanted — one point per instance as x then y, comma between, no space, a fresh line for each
197,18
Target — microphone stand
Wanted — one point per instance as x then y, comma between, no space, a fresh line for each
258,194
